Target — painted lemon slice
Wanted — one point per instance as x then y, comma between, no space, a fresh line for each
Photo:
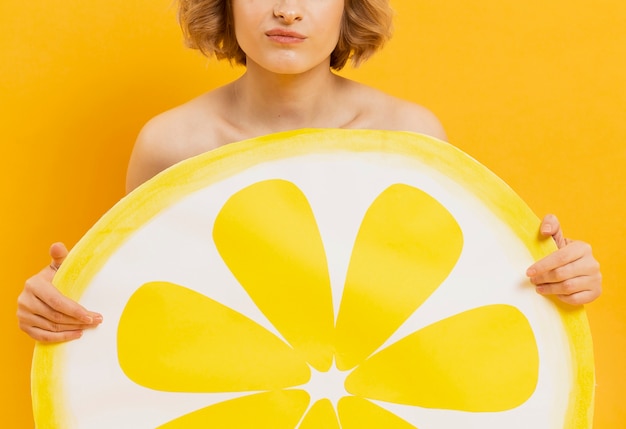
317,279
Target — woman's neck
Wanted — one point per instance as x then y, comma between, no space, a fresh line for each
268,102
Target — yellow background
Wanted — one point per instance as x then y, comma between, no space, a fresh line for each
535,90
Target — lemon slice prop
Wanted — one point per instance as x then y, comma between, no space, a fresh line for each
317,279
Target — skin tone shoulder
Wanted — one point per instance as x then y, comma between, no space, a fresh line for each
288,85
207,122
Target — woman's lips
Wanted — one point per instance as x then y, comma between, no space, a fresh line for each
285,36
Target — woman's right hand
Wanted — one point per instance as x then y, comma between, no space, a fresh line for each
46,314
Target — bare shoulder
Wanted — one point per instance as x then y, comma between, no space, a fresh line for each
383,111
173,136
409,116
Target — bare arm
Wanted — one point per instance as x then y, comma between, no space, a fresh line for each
43,312
154,151
407,116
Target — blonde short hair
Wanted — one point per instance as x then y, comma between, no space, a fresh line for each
208,26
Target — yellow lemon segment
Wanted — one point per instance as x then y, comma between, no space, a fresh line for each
358,413
467,362
175,339
407,245
321,415
271,410
268,237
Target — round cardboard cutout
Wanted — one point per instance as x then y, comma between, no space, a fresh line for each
317,279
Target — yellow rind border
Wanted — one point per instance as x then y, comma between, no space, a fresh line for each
165,189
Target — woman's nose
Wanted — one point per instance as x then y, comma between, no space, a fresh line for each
288,11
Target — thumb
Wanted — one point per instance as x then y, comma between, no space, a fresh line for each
550,226
58,253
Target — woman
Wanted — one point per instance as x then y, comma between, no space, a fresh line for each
289,48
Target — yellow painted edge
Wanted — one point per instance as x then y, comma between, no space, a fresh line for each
45,392
171,185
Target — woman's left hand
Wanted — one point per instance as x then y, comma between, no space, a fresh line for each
571,273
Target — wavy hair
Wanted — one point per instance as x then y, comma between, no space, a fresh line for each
208,26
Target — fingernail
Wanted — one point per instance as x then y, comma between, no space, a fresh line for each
87,319
98,318
540,290
531,272
546,229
